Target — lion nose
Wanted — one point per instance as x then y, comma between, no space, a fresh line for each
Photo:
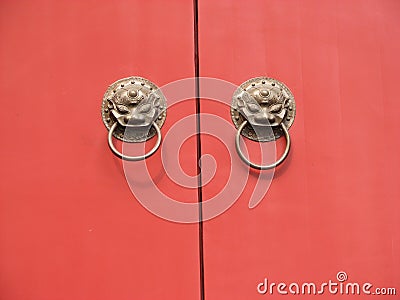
261,119
271,118
137,120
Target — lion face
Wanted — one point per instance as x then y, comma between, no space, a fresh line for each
135,106
264,105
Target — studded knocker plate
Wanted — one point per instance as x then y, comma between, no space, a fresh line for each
133,110
259,105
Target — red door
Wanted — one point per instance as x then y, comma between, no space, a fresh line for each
332,207
323,224
70,227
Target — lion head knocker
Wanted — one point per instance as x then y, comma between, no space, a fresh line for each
135,104
263,102
262,110
133,110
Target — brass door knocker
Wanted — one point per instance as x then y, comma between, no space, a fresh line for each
259,105
133,110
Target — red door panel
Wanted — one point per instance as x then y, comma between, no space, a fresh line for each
70,227
333,205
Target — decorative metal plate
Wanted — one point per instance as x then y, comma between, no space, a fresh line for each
265,103
135,103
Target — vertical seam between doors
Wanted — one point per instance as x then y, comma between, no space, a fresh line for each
198,142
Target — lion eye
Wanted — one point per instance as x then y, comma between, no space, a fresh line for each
156,102
275,108
122,108
240,103
145,108
253,108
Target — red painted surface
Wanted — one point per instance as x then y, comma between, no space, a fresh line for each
334,204
70,228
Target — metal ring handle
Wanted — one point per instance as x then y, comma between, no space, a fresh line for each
261,167
133,158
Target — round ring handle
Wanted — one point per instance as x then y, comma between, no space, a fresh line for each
261,167
133,158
